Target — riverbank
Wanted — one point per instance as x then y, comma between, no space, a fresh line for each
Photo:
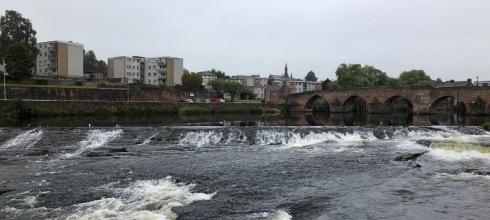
15,109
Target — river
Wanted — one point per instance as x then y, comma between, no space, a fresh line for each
250,169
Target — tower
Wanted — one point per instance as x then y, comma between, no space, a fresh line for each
286,75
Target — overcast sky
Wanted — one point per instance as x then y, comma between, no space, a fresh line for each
449,39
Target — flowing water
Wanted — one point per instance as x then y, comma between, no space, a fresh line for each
245,172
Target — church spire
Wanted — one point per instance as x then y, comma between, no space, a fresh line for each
286,75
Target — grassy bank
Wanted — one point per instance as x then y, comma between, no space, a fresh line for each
230,109
21,110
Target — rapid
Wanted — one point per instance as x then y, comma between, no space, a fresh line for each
250,172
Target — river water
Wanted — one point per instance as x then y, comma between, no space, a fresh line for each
244,172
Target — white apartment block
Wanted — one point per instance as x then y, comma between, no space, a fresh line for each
154,70
125,69
59,59
148,70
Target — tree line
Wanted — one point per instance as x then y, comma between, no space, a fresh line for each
357,75
192,81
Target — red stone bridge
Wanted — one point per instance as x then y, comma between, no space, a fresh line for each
420,100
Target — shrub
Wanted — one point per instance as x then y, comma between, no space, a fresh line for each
78,83
195,110
486,126
41,82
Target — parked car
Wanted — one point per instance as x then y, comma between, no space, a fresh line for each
189,101
221,100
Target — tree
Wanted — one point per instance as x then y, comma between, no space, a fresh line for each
19,62
310,76
415,77
325,84
91,64
233,88
356,75
270,80
14,28
218,73
191,81
220,85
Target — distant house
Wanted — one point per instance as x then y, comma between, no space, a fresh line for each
482,83
207,77
453,83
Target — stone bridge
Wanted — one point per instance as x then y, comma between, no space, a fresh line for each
418,100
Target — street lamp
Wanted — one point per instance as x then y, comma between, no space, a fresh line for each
4,87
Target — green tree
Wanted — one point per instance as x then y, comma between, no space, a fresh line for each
325,84
91,64
270,80
191,81
233,88
218,73
415,77
356,75
14,28
220,85
310,76
19,62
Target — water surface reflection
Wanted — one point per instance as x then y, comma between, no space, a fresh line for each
251,120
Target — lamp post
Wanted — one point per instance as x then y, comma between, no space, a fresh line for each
4,88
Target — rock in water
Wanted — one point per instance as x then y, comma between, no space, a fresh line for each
409,157
2,191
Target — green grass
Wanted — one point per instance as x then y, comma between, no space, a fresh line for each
486,126
247,101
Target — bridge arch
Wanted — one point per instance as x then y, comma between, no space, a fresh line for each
317,104
477,105
398,104
356,104
448,104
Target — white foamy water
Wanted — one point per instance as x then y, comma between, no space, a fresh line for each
461,176
202,138
95,139
26,139
291,139
148,140
422,134
451,155
280,215
147,199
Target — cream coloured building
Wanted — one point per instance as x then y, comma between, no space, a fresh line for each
59,59
148,70
175,70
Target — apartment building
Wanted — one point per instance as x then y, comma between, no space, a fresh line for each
148,70
124,69
175,70
154,70
59,59
254,83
